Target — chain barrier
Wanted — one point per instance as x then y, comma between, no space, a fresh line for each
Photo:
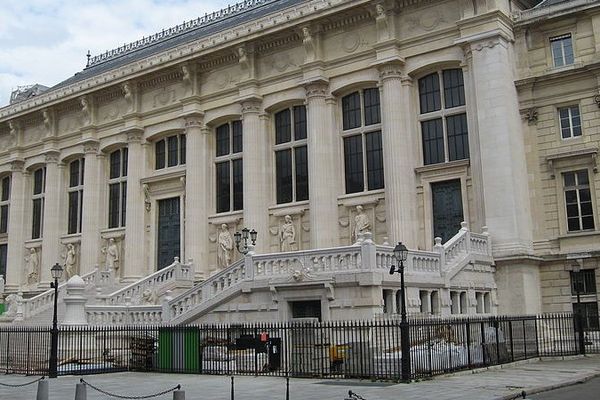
21,384
150,396
354,396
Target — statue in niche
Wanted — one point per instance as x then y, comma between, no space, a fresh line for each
225,243
381,21
14,302
70,261
86,110
309,45
33,262
361,224
112,256
287,234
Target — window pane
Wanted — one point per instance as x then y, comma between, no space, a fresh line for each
74,173
6,188
115,164
351,111
237,137
433,141
454,89
283,175
569,178
223,140
173,145
113,205
582,178
458,137
123,203
3,255
374,161
125,161
573,224
372,110
160,154
557,54
353,163
4,218
182,149
38,181
568,50
429,93
283,127
37,219
299,122
238,185
223,196
301,158
73,212
587,222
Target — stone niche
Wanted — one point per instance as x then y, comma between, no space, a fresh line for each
301,223
374,208
235,223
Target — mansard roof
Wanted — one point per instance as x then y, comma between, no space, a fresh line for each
189,31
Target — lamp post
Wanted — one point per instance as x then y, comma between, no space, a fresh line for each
400,254
578,315
56,271
241,240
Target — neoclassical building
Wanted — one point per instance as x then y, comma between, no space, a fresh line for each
324,124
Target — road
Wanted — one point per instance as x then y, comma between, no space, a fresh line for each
580,391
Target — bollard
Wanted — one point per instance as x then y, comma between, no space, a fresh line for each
179,395
80,392
287,388
232,389
42,390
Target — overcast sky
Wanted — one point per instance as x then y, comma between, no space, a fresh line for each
45,41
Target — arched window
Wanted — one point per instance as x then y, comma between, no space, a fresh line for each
117,188
4,203
443,117
75,192
229,167
39,188
363,151
291,156
170,151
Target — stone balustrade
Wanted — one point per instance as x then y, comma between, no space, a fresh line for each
124,315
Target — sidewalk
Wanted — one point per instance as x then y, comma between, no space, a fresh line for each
494,383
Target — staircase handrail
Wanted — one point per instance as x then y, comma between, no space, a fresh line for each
38,303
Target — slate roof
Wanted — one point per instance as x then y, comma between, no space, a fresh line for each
187,32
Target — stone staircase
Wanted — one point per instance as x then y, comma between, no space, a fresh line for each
263,271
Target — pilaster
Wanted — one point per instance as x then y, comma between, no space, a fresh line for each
52,222
90,230
16,226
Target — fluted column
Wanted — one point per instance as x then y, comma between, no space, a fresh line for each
16,227
321,167
399,148
134,265
256,196
90,230
51,250
196,195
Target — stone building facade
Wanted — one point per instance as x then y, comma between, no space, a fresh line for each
315,122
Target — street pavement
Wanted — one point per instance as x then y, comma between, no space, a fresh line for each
584,390
485,384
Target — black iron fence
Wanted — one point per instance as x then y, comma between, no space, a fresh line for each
306,348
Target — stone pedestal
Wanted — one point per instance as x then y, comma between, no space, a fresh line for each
75,302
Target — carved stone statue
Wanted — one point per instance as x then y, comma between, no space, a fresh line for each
70,261
148,296
86,110
13,303
287,234
33,262
112,256
361,224
2,282
225,243
381,21
309,45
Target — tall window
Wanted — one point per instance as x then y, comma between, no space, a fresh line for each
443,117
578,201
39,188
3,259
291,157
117,188
583,283
562,50
75,190
229,167
363,150
570,122
4,203
170,151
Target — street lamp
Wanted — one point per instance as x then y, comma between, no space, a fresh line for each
400,254
243,247
576,268
56,271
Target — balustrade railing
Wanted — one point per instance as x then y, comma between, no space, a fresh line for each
123,315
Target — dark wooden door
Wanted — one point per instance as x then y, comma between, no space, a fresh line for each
169,233
447,208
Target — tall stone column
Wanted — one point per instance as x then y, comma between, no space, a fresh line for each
17,228
196,195
51,250
256,195
321,167
90,230
399,162
134,258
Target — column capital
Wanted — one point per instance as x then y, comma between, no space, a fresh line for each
317,88
251,105
390,70
52,156
193,120
17,165
91,146
134,134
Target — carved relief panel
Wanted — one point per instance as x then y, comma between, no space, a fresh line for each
222,251
289,230
358,218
